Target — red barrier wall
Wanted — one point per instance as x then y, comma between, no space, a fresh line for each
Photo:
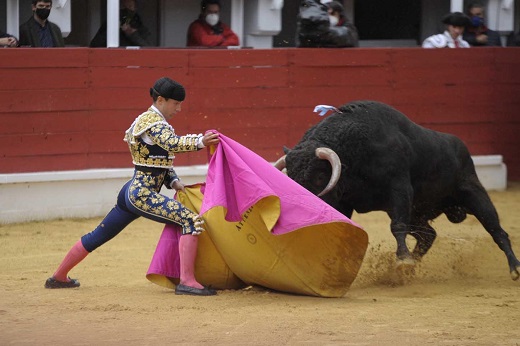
67,109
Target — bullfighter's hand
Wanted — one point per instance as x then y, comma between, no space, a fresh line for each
199,226
210,138
177,185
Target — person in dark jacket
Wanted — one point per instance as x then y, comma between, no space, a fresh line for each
7,40
338,20
477,34
322,25
132,31
38,31
208,30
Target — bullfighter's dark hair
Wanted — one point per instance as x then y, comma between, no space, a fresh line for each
167,88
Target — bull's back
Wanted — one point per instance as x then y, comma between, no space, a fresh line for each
378,143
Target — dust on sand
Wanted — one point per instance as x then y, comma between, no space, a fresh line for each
461,293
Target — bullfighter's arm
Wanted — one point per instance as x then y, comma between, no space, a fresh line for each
162,135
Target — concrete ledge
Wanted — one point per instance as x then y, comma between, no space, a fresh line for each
491,171
69,194
90,174
92,193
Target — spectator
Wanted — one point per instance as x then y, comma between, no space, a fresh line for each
346,32
38,31
324,25
153,144
208,30
477,34
451,38
7,40
132,31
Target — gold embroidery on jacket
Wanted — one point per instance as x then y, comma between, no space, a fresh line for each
161,134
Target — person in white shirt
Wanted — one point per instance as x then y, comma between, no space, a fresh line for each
452,37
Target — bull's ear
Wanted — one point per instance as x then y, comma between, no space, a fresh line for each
286,150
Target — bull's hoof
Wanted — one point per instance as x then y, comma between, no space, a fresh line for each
408,261
405,269
515,273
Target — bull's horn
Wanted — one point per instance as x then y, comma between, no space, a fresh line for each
329,155
280,164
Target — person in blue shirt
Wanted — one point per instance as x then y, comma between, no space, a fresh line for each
477,34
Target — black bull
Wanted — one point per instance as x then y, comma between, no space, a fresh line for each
372,157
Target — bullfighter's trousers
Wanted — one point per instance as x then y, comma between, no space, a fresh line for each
141,196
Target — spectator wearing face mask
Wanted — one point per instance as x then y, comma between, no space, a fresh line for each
38,31
477,34
346,32
208,30
324,24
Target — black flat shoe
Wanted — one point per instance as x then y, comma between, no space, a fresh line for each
53,283
192,291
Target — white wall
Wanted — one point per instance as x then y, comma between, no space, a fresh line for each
92,193
500,15
68,194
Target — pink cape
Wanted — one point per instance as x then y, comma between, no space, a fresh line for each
237,179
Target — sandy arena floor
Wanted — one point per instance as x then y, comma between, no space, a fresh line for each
461,295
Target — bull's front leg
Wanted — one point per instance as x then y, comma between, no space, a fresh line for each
400,215
400,230
425,235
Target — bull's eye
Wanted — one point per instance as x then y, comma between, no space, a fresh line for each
321,180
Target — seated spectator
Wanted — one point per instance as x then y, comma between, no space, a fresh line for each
324,25
38,31
451,38
7,40
208,30
477,34
132,31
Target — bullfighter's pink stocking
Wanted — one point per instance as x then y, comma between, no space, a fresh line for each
75,255
188,253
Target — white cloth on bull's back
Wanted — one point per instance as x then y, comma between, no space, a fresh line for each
323,109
